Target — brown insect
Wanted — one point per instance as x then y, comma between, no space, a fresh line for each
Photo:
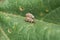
29,18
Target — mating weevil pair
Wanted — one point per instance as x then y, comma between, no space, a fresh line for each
29,18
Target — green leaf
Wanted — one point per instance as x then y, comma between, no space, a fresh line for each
53,16
47,20
15,28
38,7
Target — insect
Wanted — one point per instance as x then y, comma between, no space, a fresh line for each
29,15
29,18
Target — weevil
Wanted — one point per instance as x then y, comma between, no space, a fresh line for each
29,18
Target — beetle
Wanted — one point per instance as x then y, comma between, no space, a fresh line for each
29,18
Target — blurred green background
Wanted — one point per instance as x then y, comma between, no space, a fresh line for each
47,20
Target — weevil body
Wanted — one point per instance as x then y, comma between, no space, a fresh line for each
29,18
